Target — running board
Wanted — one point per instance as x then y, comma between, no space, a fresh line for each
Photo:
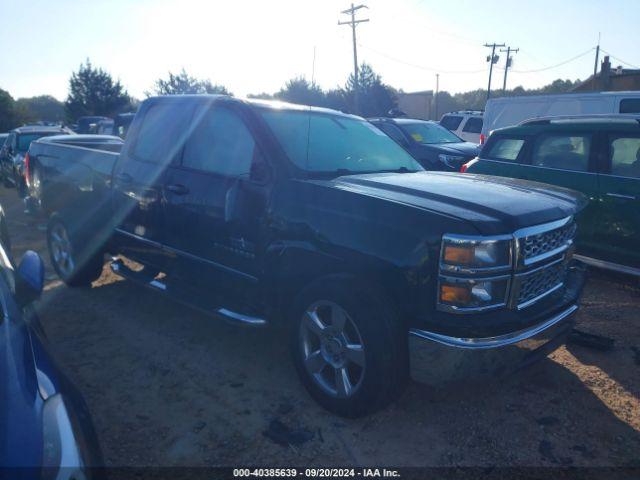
241,318
119,268
594,262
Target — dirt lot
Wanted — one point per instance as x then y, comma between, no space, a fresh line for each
168,386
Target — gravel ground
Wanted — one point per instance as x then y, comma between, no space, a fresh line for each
168,386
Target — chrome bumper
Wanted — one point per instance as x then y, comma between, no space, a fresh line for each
439,359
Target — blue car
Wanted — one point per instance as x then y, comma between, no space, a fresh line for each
429,143
45,427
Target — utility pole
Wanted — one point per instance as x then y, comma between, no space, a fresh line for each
353,22
493,59
509,50
435,99
595,66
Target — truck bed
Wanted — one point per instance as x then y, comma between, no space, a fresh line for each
73,170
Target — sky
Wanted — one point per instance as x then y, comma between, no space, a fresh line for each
254,46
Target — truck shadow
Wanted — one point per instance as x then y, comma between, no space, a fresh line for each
169,386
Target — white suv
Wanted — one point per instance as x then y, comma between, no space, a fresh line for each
465,124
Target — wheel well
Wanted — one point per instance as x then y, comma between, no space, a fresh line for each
295,277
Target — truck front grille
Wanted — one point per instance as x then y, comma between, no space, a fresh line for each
538,246
540,282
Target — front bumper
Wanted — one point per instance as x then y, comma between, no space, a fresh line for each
438,359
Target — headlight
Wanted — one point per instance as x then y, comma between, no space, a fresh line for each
475,272
460,294
453,161
470,255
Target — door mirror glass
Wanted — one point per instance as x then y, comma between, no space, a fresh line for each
29,278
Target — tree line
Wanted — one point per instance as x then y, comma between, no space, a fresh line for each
93,91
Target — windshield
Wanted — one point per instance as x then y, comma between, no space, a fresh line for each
322,142
25,139
429,133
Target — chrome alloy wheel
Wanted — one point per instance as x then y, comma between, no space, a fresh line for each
61,250
332,349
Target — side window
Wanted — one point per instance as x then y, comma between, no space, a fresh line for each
163,132
220,143
394,132
451,122
566,152
630,105
625,156
503,148
473,125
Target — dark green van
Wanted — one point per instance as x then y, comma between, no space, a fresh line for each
598,156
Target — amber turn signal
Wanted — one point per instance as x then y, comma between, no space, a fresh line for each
455,294
456,255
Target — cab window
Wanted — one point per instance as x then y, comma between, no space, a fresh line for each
451,122
473,125
162,133
220,143
630,105
565,152
504,148
624,154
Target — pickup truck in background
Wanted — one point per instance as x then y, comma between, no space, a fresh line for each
266,213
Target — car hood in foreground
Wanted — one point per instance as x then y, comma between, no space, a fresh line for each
494,205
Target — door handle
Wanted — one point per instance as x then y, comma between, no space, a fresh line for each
177,189
619,195
124,178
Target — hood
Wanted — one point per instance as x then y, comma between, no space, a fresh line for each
493,205
466,149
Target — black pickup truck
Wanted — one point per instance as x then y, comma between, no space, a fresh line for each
274,214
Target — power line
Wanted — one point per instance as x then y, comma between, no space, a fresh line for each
421,67
353,23
619,59
550,67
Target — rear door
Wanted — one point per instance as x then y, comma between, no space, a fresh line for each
569,160
471,130
139,176
214,206
619,213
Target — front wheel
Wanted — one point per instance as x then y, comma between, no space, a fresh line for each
75,266
348,347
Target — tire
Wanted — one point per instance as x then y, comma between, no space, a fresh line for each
21,186
75,266
357,369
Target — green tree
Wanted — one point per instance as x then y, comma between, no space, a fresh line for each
92,91
374,97
43,107
10,116
183,84
299,90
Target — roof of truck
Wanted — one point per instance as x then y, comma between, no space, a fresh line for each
569,126
272,104
552,96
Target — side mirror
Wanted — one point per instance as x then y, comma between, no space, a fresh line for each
29,278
